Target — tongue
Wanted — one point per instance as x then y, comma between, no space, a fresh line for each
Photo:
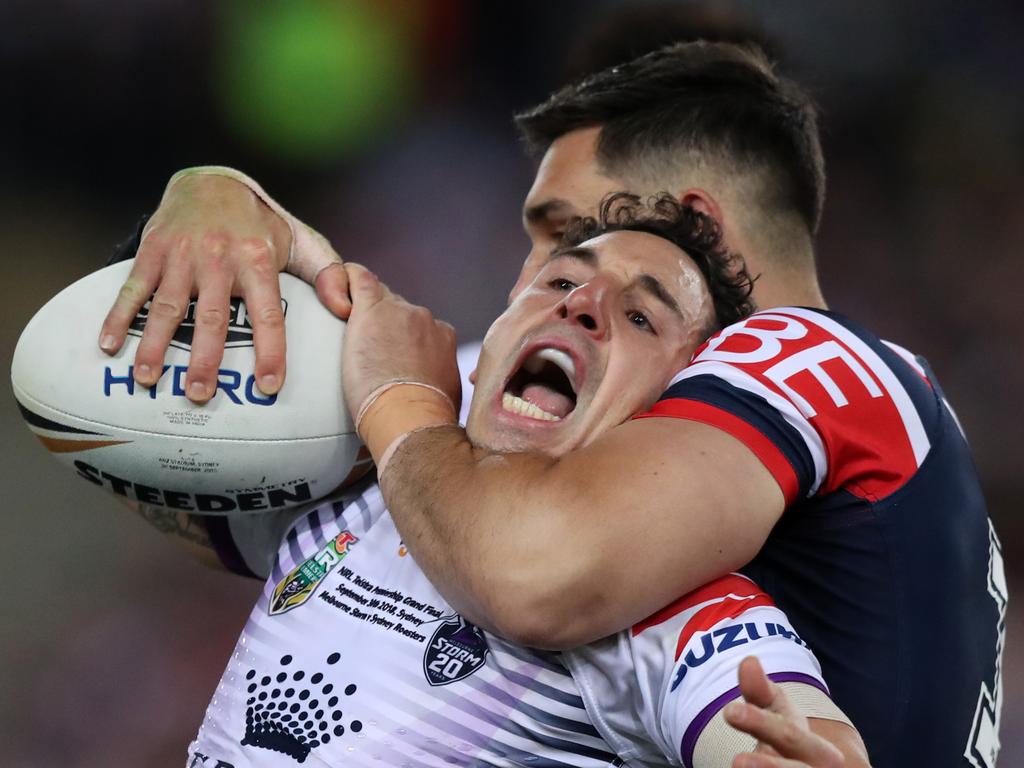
548,400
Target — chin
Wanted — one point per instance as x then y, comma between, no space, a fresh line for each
504,441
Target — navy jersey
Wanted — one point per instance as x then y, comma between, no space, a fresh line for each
885,559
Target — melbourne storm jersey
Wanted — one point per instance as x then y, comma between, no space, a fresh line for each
351,657
885,559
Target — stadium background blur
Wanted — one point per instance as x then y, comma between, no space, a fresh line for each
386,124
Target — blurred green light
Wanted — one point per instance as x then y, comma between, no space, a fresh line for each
313,80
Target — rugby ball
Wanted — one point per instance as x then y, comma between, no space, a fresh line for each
242,452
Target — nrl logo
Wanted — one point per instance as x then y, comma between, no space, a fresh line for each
239,327
457,650
301,582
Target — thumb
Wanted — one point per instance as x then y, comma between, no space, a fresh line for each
363,286
332,289
754,684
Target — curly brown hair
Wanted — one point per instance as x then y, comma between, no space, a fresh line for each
697,235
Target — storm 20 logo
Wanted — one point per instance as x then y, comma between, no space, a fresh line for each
457,650
239,327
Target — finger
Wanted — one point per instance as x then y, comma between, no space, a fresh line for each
261,289
332,288
784,735
754,684
364,287
166,311
213,310
135,292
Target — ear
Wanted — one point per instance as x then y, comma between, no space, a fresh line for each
702,201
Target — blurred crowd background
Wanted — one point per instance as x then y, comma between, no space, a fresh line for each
386,124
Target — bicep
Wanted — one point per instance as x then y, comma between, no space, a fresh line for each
658,507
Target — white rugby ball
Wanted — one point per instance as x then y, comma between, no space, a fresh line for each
242,452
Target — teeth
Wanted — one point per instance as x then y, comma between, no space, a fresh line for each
536,361
514,404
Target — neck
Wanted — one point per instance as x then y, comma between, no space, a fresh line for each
775,290
780,255
785,283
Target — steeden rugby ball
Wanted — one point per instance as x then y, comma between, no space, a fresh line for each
242,452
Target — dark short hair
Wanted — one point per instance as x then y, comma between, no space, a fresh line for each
722,99
699,236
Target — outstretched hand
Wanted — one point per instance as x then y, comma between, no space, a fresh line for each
785,739
213,238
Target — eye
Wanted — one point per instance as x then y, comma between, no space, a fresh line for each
639,319
561,284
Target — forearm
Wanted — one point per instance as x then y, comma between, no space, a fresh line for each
471,549
555,553
245,545
185,531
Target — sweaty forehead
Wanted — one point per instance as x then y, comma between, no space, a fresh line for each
658,265
640,252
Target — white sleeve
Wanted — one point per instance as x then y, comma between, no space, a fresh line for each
653,689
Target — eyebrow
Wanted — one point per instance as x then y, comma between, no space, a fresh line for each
542,211
653,286
647,282
586,255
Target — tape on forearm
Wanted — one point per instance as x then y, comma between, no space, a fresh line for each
719,743
310,252
395,410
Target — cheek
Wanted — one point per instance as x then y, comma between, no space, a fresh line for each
653,371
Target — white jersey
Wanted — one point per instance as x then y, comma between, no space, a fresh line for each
351,658
651,690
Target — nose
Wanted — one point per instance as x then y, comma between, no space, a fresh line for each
586,305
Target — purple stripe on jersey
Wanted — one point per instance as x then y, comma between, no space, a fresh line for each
693,732
298,556
755,411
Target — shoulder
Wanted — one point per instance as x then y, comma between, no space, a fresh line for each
815,396
682,664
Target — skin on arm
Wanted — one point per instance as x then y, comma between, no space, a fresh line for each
554,553
254,539
557,552
213,238
187,532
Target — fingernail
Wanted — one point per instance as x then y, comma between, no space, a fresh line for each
143,372
196,390
268,384
107,343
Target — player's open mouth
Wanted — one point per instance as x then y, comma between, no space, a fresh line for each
544,387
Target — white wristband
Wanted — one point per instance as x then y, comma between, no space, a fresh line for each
310,252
